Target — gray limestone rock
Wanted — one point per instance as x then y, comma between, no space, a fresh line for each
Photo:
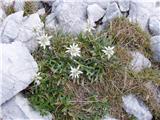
124,5
9,29
27,31
51,22
95,12
154,25
155,47
17,70
136,107
18,28
71,17
2,16
103,3
18,108
139,13
139,62
112,12
19,5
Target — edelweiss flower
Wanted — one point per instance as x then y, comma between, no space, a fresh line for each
109,51
75,72
37,82
44,40
73,50
37,79
90,26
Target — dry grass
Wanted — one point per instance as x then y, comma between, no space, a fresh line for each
130,35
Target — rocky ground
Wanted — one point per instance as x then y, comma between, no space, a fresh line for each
19,20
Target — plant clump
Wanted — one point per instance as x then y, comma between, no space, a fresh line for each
130,35
9,10
84,78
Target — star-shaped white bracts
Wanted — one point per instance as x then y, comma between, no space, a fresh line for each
90,26
73,50
109,51
44,40
37,79
75,72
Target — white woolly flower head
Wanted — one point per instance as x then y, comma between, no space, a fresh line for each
75,72
73,50
90,26
109,51
44,40
37,79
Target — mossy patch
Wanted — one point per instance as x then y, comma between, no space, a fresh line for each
30,7
9,10
100,89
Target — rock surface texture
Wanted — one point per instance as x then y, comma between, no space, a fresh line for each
136,107
95,12
138,13
112,12
18,108
17,70
71,17
155,47
23,27
154,25
139,62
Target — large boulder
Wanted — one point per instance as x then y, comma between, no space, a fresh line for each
17,70
103,3
51,22
18,108
28,31
123,5
139,62
136,107
155,47
71,17
2,15
19,5
112,12
154,25
139,13
10,27
18,28
95,13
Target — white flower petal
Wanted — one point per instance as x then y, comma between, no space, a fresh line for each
73,50
44,40
109,51
75,72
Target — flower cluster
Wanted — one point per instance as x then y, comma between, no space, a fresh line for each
74,51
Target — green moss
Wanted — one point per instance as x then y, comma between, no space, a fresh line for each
10,10
30,7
